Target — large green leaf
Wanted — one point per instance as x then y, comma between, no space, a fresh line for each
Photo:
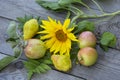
6,61
107,40
37,66
67,2
84,26
49,4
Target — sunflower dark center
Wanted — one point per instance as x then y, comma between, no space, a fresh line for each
60,35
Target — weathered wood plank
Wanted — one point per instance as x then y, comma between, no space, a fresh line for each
16,71
2,56
14,8
107,67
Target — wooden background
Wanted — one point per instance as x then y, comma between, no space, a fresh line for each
107,66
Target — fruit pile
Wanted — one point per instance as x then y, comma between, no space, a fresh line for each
87,55
36,48
49,42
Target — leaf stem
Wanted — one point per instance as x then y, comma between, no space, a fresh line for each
68,15
85,16
103,20
100,16
87,7
98,6
75,18
76,10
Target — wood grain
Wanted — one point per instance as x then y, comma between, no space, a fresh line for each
14,8
108,65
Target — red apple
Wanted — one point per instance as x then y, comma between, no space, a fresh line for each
35,49
87,39
87,56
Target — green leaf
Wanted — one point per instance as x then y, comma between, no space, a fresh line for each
49,4
74,52
11,30
105,48
13,42
112,44
68,2
46,67
41,69
37,70
84,26
30,75
6,61
28,17
108,40
47,62
17,51
20,19
29,65
39,20
37,66
36,62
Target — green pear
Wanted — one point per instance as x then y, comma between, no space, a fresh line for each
87,39
35,49
87,56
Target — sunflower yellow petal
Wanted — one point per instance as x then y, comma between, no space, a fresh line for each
59,23
46,36
45,23
50,42
47,26
70,29
68,43
54,46
68,52
72,37
42,32
66,23
53,22
58,47
50,19
63,49
43,26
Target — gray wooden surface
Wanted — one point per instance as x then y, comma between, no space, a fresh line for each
108,65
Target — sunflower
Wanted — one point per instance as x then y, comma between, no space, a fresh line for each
57,37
